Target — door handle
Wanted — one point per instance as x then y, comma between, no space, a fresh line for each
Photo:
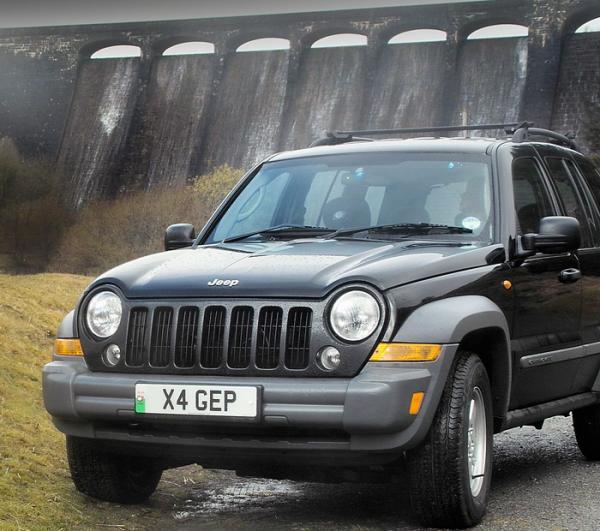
570,275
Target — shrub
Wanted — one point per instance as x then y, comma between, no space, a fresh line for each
32,218
107,233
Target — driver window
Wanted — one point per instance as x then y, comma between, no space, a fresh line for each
531,198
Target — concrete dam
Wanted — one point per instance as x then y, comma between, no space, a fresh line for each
122,123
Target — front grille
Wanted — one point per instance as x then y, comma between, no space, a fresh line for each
160,343
268,341
136,337
298,338
240,337
186,339
219,338
213,335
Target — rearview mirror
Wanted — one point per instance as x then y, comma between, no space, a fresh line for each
557,234
179,235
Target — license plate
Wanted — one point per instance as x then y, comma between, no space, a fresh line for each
210,400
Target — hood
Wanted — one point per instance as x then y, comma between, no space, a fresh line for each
306,268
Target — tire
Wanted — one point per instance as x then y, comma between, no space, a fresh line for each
442,491
110,477
586,422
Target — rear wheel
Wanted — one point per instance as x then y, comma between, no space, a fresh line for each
586,422
450,474
108,476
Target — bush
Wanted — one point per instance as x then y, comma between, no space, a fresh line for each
32,218
107,233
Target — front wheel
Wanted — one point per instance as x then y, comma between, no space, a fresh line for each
108,476
450,473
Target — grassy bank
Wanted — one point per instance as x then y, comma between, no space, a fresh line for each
35,488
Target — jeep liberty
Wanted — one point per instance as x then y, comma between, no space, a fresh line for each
349,308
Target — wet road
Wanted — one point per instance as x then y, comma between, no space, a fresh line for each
541,481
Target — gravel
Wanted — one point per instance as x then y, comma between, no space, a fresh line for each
541,482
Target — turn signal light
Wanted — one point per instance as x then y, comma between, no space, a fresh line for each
68,347
406,352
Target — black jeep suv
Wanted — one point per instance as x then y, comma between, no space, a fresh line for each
349,307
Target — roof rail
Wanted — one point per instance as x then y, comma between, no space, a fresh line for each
524,132
341,137
333,138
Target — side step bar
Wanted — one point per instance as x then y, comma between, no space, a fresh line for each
535,414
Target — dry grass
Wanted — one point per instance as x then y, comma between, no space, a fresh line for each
34,482
108,233
35,487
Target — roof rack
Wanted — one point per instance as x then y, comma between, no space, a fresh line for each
341,137
520,131
525,131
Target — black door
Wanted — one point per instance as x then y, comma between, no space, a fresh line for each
587,178
546,339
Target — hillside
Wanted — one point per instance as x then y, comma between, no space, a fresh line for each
35,488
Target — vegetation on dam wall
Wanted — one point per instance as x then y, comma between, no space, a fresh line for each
38,233
107,233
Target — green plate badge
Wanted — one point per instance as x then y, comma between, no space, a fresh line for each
140,402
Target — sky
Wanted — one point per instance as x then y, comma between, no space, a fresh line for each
25,13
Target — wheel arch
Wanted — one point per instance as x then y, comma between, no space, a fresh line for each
491,345
476,324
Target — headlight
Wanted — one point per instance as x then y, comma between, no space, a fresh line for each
355,315
104,313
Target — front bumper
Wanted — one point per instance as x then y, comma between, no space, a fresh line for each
367,413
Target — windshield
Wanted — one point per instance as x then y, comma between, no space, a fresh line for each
360,190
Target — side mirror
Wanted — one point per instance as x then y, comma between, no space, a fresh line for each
179,235
557,234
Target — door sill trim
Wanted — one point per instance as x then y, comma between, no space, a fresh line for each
535,414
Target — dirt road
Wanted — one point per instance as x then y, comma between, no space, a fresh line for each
541,481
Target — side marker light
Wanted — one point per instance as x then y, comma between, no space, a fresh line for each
416,403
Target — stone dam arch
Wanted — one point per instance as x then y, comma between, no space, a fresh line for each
191,95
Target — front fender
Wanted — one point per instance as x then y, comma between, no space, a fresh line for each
67,328
468,321
450,320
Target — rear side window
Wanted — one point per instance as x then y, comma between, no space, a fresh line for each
532,202
569,196
592,178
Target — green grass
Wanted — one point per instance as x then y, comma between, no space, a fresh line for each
35,487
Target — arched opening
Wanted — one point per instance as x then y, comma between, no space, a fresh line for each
592,26
190,48
341,39
499,31
119,51
419,35
266,44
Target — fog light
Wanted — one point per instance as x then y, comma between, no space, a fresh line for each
330,358
112,355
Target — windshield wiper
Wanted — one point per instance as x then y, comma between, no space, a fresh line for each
409,229
279,229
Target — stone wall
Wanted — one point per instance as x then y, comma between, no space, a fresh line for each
117,124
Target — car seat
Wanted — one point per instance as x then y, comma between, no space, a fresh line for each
347,213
